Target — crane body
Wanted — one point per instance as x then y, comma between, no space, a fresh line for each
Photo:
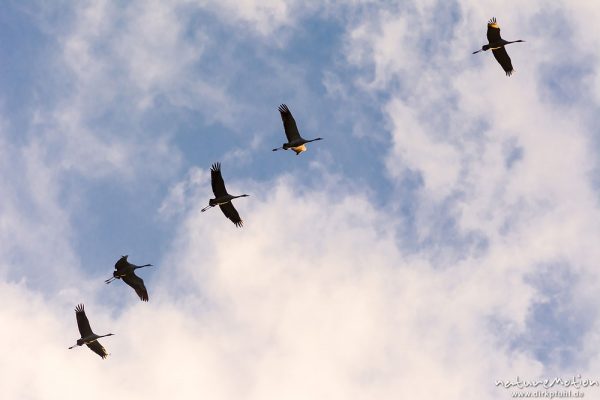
295,141
222,198
497,45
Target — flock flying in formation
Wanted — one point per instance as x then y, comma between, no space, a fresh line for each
125,271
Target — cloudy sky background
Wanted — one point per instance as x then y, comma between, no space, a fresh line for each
445,233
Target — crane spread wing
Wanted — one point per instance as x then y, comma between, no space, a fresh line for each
216,180
137,284
502,56
231,213
289,124
97,348
493,31
121,264
82,322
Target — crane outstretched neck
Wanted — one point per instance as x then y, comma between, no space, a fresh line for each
496,45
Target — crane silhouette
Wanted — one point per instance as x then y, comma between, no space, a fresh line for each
89,338
496,43
222,198
295,141
126,271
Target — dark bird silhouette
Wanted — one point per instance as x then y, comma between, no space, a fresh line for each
126,271
295,141
89,338
222,198
496,43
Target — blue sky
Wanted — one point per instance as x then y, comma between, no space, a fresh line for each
449,217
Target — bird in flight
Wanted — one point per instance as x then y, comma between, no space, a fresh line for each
295,141
222,198
89,338
496,43
126,271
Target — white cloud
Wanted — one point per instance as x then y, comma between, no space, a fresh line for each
178,200
264,17
438,161
453,126
318,303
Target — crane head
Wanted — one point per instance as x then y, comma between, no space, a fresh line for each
485,47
